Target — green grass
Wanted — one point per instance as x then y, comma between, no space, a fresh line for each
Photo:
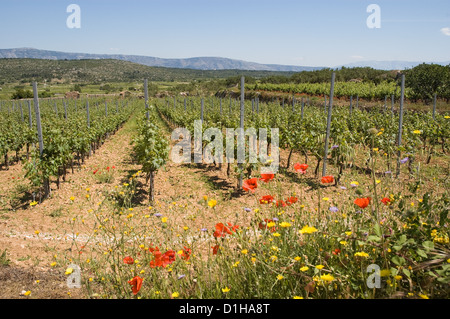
4,260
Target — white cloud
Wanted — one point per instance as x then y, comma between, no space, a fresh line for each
446,31
114,49
357,57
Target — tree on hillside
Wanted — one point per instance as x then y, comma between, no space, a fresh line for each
427,79
22,94
77,87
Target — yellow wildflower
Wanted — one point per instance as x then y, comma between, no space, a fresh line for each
385,272
307,230
69,271
320,267
212,203
327,277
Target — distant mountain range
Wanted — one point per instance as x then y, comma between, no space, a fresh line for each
198,63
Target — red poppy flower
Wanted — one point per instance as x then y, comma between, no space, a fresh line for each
136,284
168,257
263,225
267,177
336,251
215,249
221,230
107,168
128,260
162,260
157,261
233,228
300,168
362,202
327,179
291,200
186,254
151,249
267,199
95,171
281,203
250,184
386,201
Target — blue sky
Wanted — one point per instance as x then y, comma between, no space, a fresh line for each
310,33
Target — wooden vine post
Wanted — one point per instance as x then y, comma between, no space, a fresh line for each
46,181
400,124
325,156
242,136
146,99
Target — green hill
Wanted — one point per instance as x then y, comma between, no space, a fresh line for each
101,71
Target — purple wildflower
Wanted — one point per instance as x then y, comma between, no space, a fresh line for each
333,209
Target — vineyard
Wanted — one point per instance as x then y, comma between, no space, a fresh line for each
94,206
369,91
